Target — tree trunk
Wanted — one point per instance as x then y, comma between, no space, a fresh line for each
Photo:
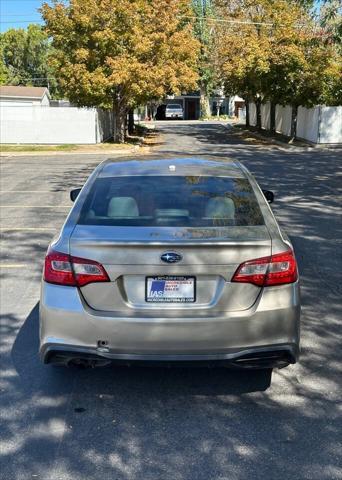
272,118
119,122
204,103
294,122
258,113
247,113
131,121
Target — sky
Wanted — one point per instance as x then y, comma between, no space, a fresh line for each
19,13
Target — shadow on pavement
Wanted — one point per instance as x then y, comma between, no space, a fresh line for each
197,424
99,411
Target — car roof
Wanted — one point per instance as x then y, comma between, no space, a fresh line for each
207,166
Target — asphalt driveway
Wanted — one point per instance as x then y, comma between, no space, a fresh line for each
173,424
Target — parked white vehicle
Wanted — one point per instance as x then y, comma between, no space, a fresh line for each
174,110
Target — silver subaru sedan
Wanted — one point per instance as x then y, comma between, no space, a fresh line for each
170,261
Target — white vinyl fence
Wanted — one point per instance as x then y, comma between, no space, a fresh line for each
252,114
283,119
317,125
54,125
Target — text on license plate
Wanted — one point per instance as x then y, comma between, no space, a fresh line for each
171,289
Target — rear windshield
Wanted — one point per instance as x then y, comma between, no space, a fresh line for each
192,201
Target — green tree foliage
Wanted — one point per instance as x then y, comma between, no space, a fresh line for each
330,18
3,69
24,54
204,31
119,53
278,55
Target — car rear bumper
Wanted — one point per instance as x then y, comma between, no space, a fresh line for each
69,328
263,357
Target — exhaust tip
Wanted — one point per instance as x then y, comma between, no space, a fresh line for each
275,359
80,362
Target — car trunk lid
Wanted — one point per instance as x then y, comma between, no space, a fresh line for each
130,254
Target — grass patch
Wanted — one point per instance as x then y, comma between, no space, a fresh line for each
36,148
63,148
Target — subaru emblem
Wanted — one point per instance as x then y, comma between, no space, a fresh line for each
171,257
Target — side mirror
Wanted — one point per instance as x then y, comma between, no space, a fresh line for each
74,194
268,195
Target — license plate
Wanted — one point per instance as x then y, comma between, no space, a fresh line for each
171,289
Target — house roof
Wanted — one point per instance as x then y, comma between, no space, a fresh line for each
23,92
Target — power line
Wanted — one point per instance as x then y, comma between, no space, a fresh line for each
232,22
208,19
238,22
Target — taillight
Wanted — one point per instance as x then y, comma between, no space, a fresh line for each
276,269
63,269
